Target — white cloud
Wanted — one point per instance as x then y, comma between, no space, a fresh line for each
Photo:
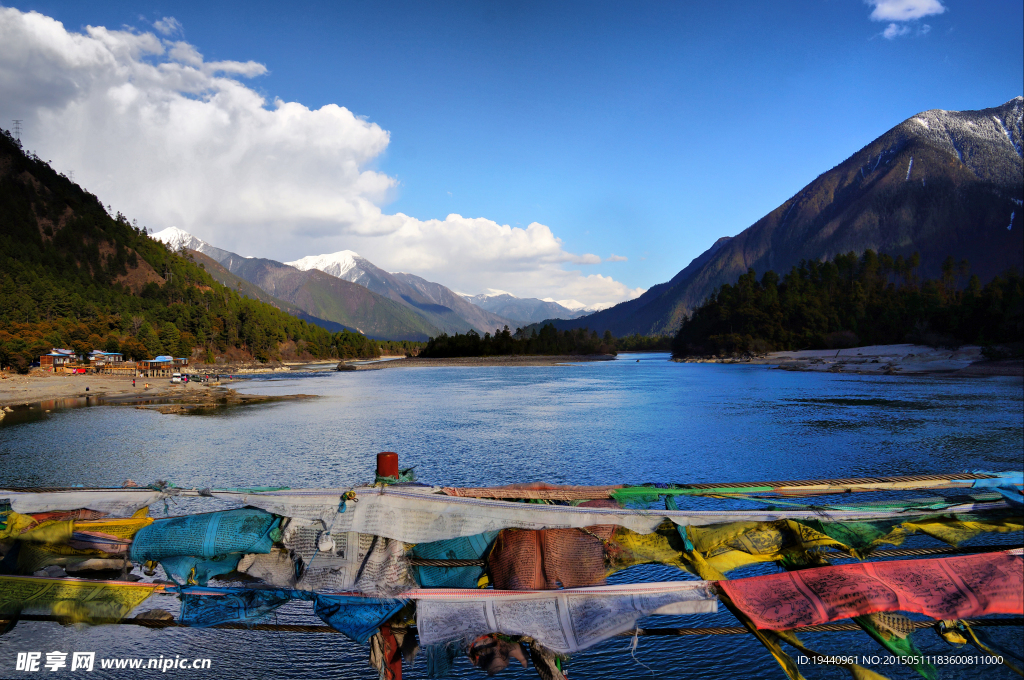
151,127
901,11
617,258
904,10
475,254
893,31
168,26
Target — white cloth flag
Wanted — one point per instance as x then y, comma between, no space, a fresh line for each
564,621
421,515
114,502
368,564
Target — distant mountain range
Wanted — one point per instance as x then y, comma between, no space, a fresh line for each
940,183
442,307
345,290
525,310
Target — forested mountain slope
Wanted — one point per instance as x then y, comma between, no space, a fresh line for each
940,183
73,276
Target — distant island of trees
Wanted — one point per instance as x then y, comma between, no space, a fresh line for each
539,340
850,301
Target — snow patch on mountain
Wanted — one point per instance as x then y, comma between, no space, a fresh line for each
577,306
337,264
176,239
491,292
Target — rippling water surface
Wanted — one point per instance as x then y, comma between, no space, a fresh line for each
625,421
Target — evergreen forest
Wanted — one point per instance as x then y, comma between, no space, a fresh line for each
853,301
548,340
73,276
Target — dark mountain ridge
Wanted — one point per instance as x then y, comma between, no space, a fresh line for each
940,183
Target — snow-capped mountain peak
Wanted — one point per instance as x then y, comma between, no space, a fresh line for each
336,264
577,306
491,293
176,239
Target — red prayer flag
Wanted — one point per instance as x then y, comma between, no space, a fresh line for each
943,588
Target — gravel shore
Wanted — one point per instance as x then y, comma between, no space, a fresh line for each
882,360
47,392
473,362
39,387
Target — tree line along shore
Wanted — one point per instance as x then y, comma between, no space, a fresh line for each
853,301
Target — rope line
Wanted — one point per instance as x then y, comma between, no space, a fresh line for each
423,562
914,552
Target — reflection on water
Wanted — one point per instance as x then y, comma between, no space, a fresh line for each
600,423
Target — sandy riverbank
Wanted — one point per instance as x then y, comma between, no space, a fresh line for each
883,360
38,386
472,362
48,391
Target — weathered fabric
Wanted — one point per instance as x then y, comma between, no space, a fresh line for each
211,543
492,654
94,540
946,588
544,560
465,548
80,514
893,632
322,561
115,502
72,599
772,641
201,607
420,515
358,618
717,550
545,662
565,621
31,557
386,652
627,548
26,528
206,535
51,542
13,524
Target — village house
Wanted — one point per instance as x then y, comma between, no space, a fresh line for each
57,359
161,367
99,361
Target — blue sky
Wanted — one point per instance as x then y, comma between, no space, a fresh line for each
644,132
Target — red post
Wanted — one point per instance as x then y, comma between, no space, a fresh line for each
387,464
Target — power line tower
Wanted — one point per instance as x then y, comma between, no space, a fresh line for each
17,129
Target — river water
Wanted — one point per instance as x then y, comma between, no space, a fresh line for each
637,419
